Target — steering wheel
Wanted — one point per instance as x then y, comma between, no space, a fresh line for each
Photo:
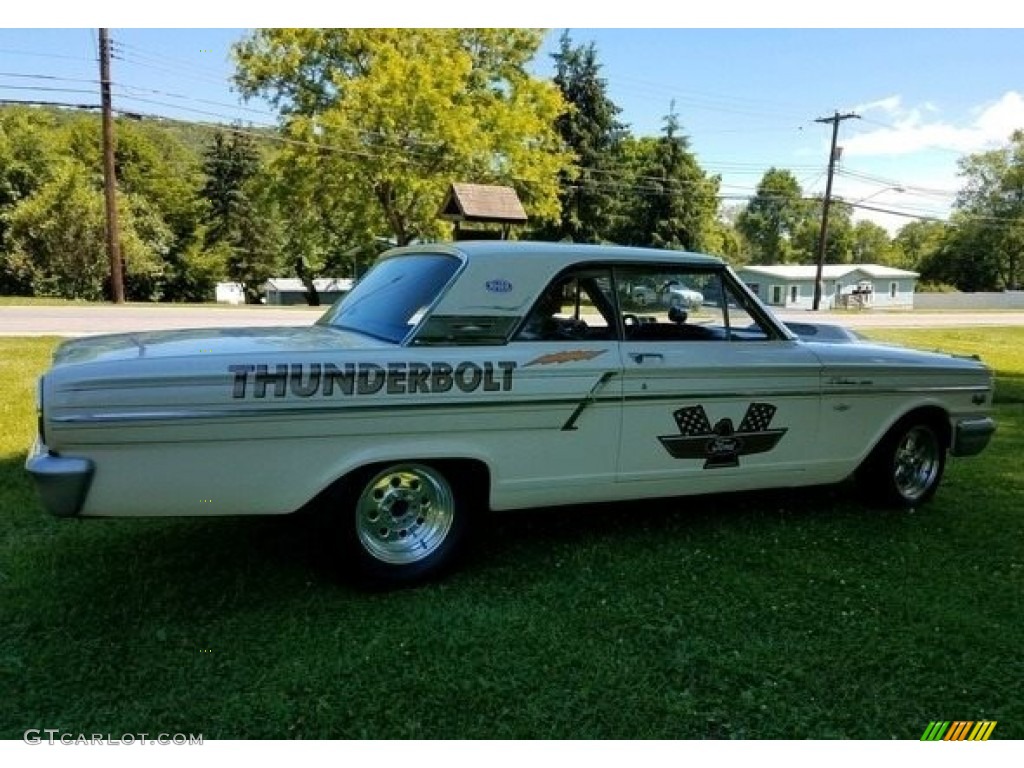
571,330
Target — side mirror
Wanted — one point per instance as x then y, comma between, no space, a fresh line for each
677,315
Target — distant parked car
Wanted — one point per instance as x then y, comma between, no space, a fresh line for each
464,377
669,294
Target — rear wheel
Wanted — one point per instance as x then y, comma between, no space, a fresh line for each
906,467
403,524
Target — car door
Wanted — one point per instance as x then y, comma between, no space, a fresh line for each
569,376
715,396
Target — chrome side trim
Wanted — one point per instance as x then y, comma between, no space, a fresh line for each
231,413
906,390
188,414
63,482
591,398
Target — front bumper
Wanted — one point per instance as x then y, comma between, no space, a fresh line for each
970,436
62,482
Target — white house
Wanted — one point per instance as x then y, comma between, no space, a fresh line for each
853,286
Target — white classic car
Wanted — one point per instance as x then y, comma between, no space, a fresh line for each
494,375
670,294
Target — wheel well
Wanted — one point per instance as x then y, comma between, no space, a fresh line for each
931,414
471,476
935,416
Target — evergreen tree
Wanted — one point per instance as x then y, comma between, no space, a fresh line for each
679,201
590,130
240,218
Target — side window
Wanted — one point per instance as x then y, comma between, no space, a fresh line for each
663,303
576,307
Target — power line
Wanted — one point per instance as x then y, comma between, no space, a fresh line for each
38,103
45,89
163,59
135,60
43,55
25,76
894,183
196,100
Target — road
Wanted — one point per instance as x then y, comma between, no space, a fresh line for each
88,320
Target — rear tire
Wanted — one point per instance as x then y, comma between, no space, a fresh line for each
905,469
401,524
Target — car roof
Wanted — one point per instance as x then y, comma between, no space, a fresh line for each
561,252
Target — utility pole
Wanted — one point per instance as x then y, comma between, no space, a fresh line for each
823,234
109,175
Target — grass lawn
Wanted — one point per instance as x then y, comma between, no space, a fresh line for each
797,614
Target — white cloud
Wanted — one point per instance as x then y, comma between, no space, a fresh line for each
890,104
911,131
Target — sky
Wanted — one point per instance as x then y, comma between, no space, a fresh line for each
747,98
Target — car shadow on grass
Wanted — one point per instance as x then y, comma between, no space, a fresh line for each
212,563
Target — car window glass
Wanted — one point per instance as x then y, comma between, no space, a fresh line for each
575,307
665,303
393,296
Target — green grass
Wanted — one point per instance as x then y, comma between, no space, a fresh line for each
46,301
797,614
43,301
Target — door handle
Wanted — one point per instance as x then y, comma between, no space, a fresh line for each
640,357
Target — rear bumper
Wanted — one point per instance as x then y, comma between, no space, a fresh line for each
62,482
970,436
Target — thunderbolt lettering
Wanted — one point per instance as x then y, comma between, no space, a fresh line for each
330,380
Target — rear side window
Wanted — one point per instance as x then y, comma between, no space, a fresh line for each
393,296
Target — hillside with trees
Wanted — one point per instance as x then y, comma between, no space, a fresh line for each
374,125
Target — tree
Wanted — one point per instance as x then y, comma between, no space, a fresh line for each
871,243
57,238
840,240
727,242
395,116
989,216
970,256
240,217
676,202
917,243
28,152
773,217
590,129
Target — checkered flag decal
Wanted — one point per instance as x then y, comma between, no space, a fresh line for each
693,421
758,417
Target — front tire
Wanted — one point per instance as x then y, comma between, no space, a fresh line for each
404,524
906,467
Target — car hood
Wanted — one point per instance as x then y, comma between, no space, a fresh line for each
204,342
864,355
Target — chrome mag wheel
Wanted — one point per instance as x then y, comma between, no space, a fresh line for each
404,514
917,462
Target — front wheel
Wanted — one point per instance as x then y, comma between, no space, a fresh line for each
405,524
906,467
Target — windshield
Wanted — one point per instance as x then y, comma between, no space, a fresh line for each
391,299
